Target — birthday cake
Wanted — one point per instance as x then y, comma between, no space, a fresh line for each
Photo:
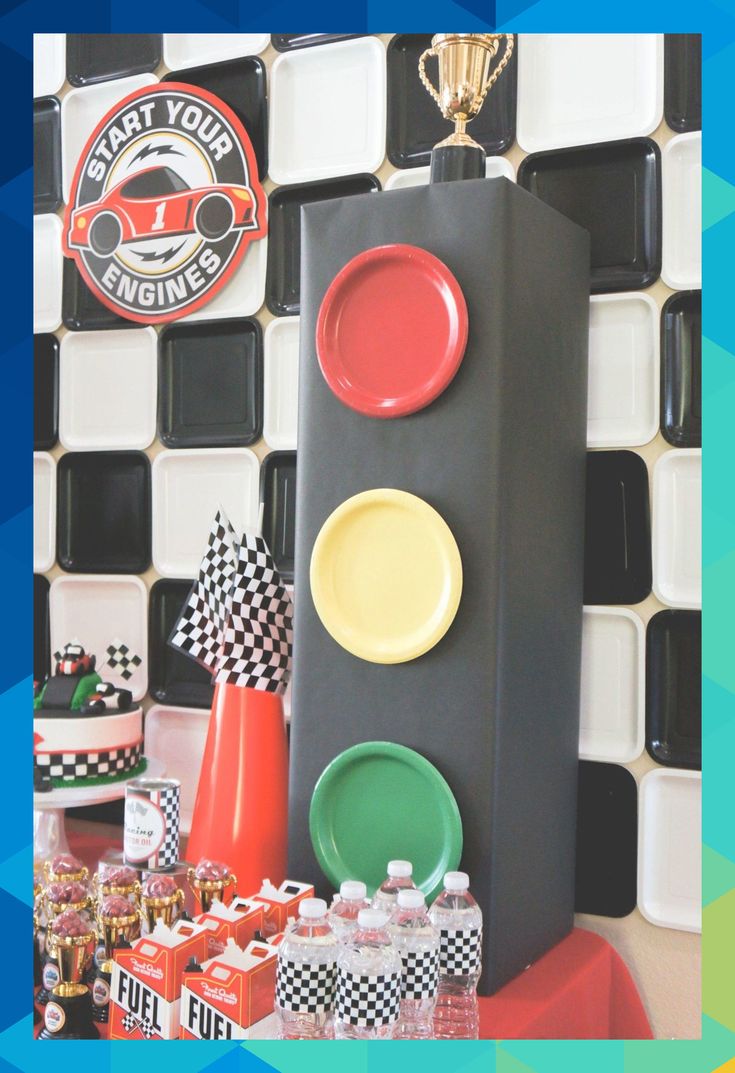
85,730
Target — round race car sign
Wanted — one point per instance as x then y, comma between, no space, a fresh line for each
164,203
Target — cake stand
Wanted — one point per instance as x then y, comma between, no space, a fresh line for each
49,828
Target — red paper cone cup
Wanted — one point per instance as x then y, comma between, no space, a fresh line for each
240,815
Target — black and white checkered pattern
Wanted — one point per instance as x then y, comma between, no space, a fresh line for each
169,804
420,973
459,951
59,654
259,636
368,1001
120,658
304,988
70,766
130,1022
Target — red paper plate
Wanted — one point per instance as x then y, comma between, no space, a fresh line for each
391,331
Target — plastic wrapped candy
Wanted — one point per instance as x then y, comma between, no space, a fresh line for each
71,924
211,870
66,892
159,886
65,864
115,906
117,875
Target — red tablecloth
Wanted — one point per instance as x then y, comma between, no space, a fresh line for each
579,990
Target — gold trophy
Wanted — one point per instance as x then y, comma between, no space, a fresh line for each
118,922
161,899
209,880
70,940
467,71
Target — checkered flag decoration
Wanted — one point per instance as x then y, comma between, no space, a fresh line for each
59,655
420,977
237,620
368,1001
130,1022
120,659
304,988
459,951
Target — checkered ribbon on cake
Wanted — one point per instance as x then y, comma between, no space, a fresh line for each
121,659
459,951
130,1022
237,618
420,976
304,988
368,1001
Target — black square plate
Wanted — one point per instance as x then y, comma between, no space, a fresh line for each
46,154
104,512
617,552
674,688
607,840
681,369
45,392
683,81
283,286
241,83
415,124
612,189
81,310
41,642
210,384
101,57
288,42
278,496
172,677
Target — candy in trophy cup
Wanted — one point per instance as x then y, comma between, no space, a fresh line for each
118,921
70,939
160,900
209,881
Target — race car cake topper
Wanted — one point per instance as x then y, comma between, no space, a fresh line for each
164,203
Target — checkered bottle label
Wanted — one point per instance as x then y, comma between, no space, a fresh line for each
368,1001
420,973
305,988
459,951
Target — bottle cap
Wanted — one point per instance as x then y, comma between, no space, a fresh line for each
399,869
352,889
372,918
312,908
410,899
456,881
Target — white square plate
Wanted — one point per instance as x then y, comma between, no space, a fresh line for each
496,167
243,294
49,63
670,849
677,528
327,111
613,698
188,489
281,383
194,50
575,89
81,111
623,390
97,610
48,266
681,168
107,387
44,512
177,737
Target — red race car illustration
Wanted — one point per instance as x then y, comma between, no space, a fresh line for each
157,203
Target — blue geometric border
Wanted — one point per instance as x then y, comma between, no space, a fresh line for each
716,22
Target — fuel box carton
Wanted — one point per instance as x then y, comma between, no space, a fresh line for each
281,902
240,920
145,990
232,993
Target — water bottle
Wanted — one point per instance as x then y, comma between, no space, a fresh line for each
458,919
417,941
346,906
368,981
399,878
305,976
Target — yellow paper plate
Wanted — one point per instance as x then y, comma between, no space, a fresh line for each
386,576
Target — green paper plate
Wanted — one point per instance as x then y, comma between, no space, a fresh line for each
378,802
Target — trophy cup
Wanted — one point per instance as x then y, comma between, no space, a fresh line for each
68,1015
116,879
52,900
465,78
161,899
118,921
209,880
65,868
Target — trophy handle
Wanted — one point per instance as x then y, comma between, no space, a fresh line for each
509,42
425,78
